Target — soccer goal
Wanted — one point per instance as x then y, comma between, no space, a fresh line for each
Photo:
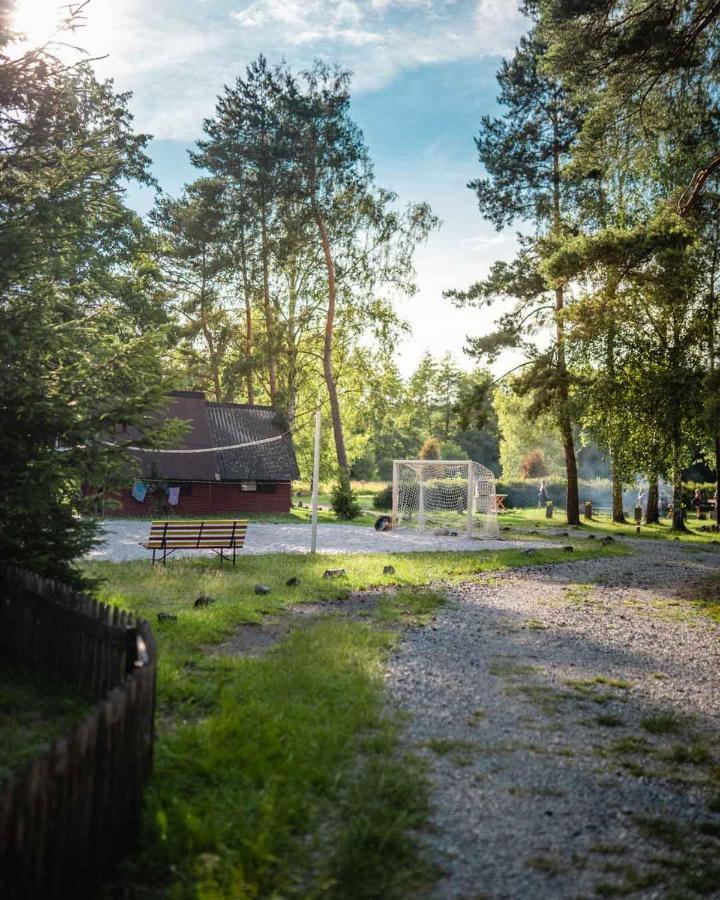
452,495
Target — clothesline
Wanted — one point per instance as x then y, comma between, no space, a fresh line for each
203,449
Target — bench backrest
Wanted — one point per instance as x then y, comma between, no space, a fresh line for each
219,533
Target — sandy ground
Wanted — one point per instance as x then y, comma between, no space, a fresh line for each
123,537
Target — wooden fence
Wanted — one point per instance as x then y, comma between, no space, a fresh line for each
74,810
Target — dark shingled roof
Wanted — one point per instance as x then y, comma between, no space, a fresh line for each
217,425
235,423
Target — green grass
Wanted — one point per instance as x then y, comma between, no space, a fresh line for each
282,775
521,521
662,723
35,710
294,786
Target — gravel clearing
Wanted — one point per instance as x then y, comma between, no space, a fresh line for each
123,537
533,697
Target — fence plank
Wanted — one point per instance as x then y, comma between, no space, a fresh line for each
70,813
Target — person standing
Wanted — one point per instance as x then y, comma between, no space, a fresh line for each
542,496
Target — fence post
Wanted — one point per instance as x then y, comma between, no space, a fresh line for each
130,649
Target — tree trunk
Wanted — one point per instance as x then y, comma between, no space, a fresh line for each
572,501
248,316
618,513
267,307
327,350
652,510
678,519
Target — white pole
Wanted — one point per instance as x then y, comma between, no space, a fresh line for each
395,494
470,499
421,499
316,479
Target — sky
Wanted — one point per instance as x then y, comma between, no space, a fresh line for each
423,75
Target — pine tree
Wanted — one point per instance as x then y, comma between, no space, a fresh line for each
523,154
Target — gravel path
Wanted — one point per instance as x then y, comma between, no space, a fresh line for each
123,537
528,695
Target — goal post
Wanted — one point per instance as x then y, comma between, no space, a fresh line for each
456,496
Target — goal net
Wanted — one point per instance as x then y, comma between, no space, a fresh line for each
439,495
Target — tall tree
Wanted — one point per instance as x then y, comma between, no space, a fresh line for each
330,171
194,252
523,154
80,302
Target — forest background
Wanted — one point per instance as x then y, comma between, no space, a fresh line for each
273,277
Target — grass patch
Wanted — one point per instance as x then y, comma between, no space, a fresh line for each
35,710
608,720
412,607
662,723
696,753
551,865
294,786
523,521
459,752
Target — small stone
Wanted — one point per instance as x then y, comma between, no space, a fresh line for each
591,537
388,570
293,581
564,534
530,551
166,617
203,600
452,533
334,573
608,539
569,549
441,532
262,589
506,528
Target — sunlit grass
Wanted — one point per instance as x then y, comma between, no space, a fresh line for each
521,521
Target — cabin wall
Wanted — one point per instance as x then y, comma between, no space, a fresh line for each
207,498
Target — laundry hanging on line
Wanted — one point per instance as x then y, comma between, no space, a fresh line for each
139,491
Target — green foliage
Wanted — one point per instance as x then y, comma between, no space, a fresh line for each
344,500
522,434
81,305
383,498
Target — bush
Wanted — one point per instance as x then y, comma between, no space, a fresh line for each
344,500
533,464
382,500
430,449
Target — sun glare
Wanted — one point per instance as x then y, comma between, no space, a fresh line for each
38,20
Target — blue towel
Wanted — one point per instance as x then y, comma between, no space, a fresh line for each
139,491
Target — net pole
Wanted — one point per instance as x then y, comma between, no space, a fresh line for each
316,479
395,495
470,499
421,498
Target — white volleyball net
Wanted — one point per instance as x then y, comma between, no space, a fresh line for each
453,496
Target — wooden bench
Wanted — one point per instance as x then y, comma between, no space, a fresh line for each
218,535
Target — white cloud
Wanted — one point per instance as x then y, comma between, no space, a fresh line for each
176,55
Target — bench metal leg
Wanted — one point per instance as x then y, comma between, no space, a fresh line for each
153,562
